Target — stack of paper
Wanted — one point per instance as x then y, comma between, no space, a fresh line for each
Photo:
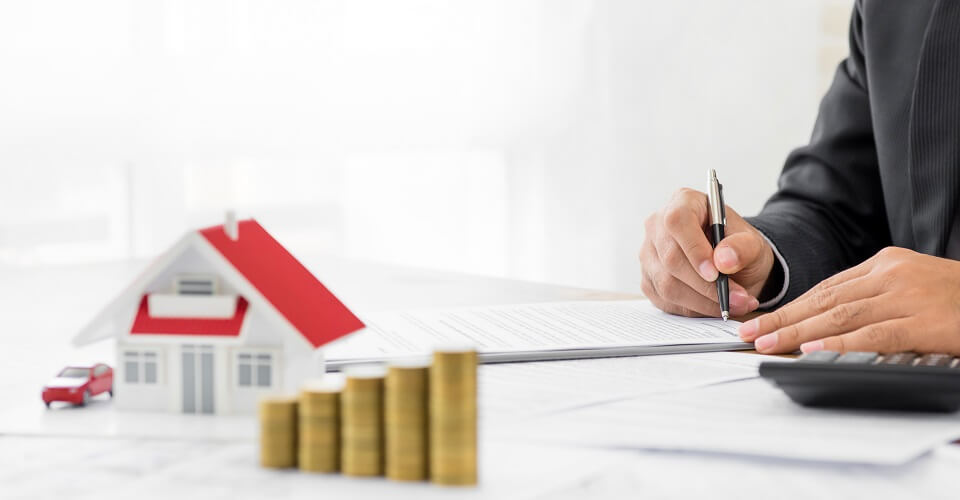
664,403
532,332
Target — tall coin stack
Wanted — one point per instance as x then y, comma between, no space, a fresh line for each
362,421
278,432
406,420
453,416
320,426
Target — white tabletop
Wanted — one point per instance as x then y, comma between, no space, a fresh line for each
43,308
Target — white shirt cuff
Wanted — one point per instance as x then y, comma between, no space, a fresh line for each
786,276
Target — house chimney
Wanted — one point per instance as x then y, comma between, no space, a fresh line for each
231,227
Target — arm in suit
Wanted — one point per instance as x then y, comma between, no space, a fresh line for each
828,213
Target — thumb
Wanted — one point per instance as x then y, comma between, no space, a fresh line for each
738,251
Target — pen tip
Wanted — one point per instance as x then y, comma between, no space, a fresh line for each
725,315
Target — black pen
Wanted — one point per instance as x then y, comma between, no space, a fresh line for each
718,220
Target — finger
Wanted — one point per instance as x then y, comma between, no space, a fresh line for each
843,318
738,251
674,308
887,336
825,299
683,220
671,256
650,292
741,302
673,291
672,259
852,273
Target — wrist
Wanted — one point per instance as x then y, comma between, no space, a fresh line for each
774,287
773,284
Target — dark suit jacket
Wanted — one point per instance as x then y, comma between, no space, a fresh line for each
883,165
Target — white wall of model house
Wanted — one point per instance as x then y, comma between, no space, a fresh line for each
226,374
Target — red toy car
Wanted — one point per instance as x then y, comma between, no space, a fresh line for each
77,384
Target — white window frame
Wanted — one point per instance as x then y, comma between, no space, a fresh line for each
255,359
141,357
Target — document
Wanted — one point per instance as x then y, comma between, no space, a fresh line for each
527,332
512,391
748,417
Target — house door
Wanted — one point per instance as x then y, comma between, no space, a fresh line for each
197,363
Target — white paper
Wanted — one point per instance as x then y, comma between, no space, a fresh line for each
686,476
523,390
530,327
747,417
39,468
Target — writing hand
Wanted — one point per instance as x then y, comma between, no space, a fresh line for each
680,266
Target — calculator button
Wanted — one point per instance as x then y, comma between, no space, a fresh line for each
819,356
935,360
899,358
858,358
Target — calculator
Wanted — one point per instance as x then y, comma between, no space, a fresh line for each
900,381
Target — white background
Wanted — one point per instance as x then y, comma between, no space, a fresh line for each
518,138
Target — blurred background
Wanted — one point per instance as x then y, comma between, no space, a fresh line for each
525,139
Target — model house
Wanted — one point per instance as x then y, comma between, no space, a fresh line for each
224,316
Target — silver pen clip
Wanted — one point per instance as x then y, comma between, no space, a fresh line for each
715,198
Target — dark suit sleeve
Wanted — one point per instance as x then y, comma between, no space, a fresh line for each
828,213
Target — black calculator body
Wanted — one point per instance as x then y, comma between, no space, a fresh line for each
900,381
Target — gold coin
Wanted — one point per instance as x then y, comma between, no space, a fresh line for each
278,431
319,426
406,421
362,421
453,417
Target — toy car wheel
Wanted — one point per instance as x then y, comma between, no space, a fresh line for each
47,403
110,392
86,398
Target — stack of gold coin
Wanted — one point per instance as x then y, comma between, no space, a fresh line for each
278,431
319,425
405,410
453,416
361,423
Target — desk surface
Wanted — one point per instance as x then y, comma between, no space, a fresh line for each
42,308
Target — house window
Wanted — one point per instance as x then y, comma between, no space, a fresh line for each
140,367
254,369
195,284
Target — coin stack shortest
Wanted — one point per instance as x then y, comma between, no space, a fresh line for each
361,424
453,416
278,431
319,425
406,420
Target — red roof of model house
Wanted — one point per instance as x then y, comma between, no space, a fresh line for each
266,276
292,290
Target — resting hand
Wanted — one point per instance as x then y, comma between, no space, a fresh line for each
898,300
680,266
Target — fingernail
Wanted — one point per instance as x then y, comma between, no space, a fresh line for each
749,329
754,303
766,342
726,256
815,345
707,271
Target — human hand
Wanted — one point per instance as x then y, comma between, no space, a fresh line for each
680,266
897,300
